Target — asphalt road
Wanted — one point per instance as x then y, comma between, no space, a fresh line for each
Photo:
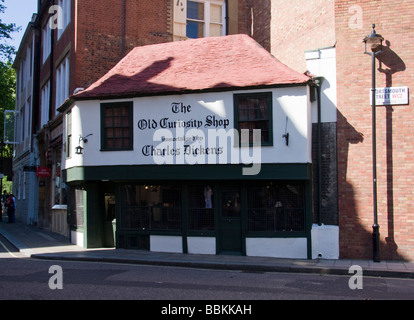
23,278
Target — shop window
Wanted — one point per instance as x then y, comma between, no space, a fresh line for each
151,207
200,208
276,207
116,126
76,215
253,111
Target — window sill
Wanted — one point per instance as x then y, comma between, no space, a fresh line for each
60,207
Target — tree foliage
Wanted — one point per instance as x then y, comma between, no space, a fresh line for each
7,73
6,51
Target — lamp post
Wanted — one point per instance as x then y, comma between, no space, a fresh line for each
375,41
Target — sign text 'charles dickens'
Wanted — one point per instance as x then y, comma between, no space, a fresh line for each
390,96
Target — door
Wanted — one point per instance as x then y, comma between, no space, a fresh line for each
230,236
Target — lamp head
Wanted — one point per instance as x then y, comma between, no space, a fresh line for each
374,40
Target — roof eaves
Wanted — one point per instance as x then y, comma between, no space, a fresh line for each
131,95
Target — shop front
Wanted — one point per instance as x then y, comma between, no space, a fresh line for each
208,212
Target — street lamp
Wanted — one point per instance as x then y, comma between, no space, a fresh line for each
375,41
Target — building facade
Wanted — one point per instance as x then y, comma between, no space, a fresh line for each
322,38
23,140
337,28
215,162
393,70
75,45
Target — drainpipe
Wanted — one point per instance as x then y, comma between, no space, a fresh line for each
123,31
227,17
318,82
51,77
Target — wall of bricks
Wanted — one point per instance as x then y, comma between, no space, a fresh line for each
297,26
395,129
108,30
254,20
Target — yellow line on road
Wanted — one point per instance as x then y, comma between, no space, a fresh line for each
7,249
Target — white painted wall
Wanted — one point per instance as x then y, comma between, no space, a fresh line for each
322,63
201,245
291,113
77,238
325,242
291,248
172,244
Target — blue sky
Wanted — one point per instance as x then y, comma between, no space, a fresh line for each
19,12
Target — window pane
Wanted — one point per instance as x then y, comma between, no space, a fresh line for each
117,121
124,112
195,29
109,133
109,112
215,14
201,208
215,30
195,10
124,122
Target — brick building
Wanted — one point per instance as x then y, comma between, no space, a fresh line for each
342,25
68,46
75,45
394,21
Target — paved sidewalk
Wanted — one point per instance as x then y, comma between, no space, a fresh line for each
36,243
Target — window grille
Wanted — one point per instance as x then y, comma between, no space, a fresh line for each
276,208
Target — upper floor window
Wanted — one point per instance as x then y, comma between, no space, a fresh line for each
69,134
253,111
46,42
62,82
64,15
45,103
198,19
116,126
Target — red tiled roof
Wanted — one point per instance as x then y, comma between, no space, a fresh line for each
216,63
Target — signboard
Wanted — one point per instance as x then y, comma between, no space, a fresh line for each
391,96
29,168
43,172
180,134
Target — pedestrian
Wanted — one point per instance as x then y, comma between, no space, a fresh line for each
11,208
3,205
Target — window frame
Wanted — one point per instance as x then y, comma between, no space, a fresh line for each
104,138
69,139
206,22
279,208
254,95
46,41
45,104
65,5
62,82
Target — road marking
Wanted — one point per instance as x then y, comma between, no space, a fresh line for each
7,249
